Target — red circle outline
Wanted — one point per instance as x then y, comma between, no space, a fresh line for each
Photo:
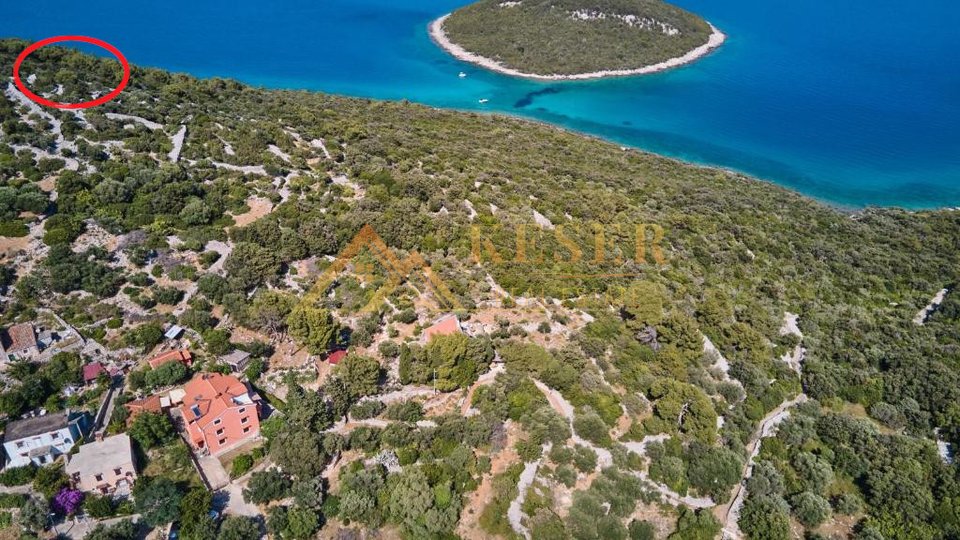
82,105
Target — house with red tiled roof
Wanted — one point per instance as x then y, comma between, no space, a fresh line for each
20,341
92,371
151,404
220,412
446,325
335,357
183,356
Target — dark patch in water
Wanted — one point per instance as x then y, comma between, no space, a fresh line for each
528,99
627,123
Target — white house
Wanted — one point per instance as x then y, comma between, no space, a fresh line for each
105,467
41,439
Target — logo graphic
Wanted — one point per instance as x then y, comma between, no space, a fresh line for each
397,271
647,238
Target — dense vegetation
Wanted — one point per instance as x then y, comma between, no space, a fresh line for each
738,254
546,37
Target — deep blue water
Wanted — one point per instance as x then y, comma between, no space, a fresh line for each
854,102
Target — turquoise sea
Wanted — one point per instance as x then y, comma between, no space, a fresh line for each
854,102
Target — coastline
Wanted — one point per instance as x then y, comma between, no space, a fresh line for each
440,37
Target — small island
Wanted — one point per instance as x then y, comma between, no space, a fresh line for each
575,40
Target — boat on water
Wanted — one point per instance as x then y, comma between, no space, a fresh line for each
462,75
484,100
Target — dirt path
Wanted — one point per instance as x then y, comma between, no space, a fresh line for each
177,141
319,143
17,97
246,169
343,427
469,526
275,150
935,302
259,207
565,409
230,498
672,497
794,358
224,250
605,458
767,427
515,513
486,378
721,362
400,395
130,118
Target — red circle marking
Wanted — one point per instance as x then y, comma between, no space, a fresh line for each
83,105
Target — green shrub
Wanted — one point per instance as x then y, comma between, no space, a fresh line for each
641,530
12,500
528,450
241,465
388,349
811,509
367,409
405,411
13,229
590,426
18,476
99,507
584,459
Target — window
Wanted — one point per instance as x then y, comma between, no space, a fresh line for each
98,477
19,444
55,436
242,410
117,472
221,442
220,431
216,422
246,430
244,419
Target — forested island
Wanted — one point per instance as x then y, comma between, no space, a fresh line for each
572,39
779,372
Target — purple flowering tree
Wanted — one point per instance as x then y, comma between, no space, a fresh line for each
67,501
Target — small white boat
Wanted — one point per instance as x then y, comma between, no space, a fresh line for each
462,75
484,100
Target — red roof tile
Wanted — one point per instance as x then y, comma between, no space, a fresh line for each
445,326
336,357
147,404
209,394
220,412
92,371
182,356
21,337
